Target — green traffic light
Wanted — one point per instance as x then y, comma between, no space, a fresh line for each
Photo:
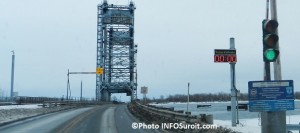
270,40
271,55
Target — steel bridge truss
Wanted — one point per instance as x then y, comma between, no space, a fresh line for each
116,51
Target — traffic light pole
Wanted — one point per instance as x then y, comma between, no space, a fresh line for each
277,63
267,76
273,122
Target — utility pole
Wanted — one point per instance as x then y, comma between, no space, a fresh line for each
68,85
12,75
233,88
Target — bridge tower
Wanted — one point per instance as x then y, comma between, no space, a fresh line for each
116,51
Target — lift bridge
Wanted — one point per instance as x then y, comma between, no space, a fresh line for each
116,51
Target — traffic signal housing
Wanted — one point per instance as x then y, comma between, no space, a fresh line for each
270,40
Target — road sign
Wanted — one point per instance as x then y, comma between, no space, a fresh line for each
271,95
144,90
99,70
225,56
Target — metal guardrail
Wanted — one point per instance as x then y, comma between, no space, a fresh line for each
293,127
171,114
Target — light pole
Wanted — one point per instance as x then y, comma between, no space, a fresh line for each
188,99
12,75
81,91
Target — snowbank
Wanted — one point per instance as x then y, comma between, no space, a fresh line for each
18,112
245,126
253,125
30,106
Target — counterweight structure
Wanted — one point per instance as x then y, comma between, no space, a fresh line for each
116,51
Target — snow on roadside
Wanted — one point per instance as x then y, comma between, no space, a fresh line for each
12,113
253,125
29,106
245,126
292,119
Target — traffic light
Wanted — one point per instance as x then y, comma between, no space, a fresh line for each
270,39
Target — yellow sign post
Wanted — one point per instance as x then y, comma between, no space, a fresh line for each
99,70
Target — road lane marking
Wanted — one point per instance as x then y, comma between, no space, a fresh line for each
71,124
108,124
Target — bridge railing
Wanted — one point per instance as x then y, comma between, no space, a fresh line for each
169,113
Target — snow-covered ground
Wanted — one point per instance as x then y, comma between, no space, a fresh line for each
253,125
29,106
16,112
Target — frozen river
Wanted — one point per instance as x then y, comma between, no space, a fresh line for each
219,110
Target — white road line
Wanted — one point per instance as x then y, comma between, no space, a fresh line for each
108,124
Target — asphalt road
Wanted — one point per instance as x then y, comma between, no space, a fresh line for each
99,119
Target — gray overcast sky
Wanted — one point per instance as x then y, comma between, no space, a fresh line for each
176,40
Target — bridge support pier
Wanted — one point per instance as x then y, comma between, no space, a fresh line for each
105,96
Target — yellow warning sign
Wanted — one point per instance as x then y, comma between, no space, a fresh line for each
99,70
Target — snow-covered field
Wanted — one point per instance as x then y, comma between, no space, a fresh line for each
253,125
17,112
